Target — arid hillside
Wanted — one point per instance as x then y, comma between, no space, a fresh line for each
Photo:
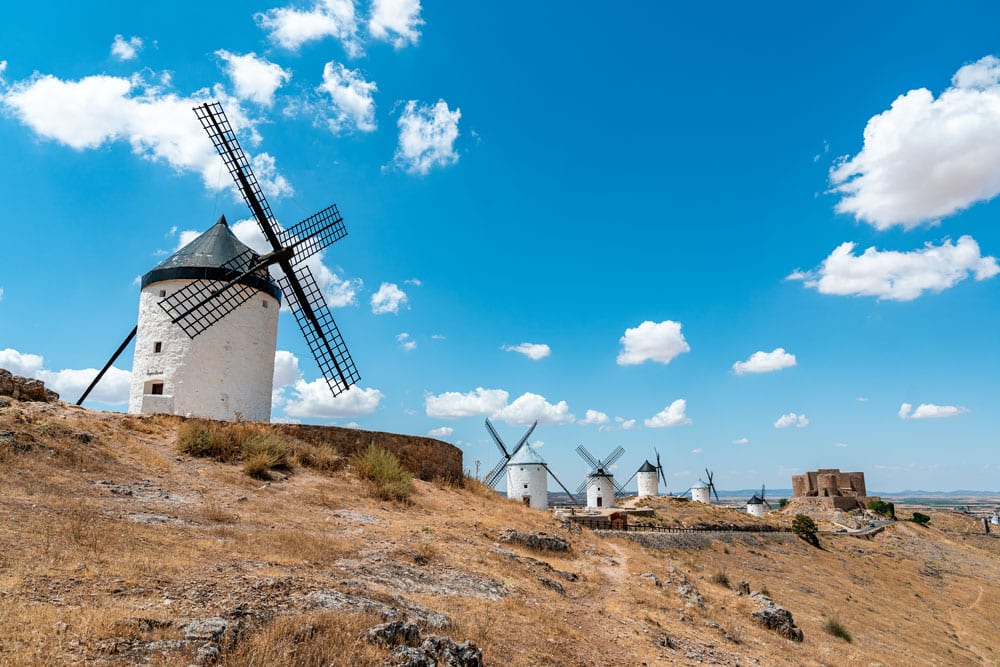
116,548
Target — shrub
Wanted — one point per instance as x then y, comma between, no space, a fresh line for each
721,577
203,438
324,458
782,503
921,519
387,478
262,452
836,628
805,527
883,508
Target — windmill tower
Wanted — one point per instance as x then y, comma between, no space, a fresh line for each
702,491
526,471
755,506
600,483
648,478
225,371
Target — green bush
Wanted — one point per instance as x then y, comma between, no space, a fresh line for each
387,478
883,508
806,528
921,519
782,503
836,628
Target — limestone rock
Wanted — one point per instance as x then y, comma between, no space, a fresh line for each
777,618
537,540
25,389
395,633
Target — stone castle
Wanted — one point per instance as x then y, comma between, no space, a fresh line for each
833,489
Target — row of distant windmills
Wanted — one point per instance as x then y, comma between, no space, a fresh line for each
527,478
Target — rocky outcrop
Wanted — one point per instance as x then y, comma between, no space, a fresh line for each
777,618
25,389
538,540
431,651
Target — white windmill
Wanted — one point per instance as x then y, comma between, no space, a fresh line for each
648,478
600,483
702,491
755,506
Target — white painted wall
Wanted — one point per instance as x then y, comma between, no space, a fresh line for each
528,480
223,373
755,509
649,483
701,495
600,487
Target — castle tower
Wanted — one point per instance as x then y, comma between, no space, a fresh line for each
527,478
648,480
225,372
600,490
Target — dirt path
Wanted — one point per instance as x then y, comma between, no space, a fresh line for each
969,637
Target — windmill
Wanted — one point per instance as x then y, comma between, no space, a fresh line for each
755,506
600,483
223,288
703,491
527,472
648,477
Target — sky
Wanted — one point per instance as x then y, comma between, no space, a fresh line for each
759,240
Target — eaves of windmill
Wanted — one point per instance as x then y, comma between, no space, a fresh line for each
527,472
208,315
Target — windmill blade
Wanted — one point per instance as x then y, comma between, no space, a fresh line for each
711,485
523,440
614,456
619,489
582,487
628,481
563,487
763,498
315,233
588,457
313,316
494,475
659,469
496,439
213,120
202,303
100,373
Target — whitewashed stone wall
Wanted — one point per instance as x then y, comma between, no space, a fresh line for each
531,480
224,373
600,487
648,484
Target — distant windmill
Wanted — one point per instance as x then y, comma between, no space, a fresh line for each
704,491
527,472
207,281
494,475
648,477
600,483
755,506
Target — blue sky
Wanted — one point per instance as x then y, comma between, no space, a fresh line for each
634,225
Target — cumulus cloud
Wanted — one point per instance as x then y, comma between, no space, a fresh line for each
254,78
126,49
395,21
286,369
595,417
930,411
427,137
840,444
651,341
765,362
158,125
3,69
696,450
1,294
925,158
529,407
899,276
352,102
416,282
290,28
314,399
534,351
672,415
406,342
741,441
441,432
113,389
388,299
452,404
791,419
625,424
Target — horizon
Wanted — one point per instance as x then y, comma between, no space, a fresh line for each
755,240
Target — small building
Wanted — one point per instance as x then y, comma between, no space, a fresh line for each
701,493
527,478
600,490
755,506
648,480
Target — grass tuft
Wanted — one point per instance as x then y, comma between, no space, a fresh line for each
721,578
836,628
387,478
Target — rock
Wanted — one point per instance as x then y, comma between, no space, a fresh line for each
554,585
395,633
434,650
652,577
691,595
743,588
537,540
25,389
208,654
207,628
779,619
84,437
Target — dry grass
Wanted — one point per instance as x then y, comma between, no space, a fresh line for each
381,470
309,640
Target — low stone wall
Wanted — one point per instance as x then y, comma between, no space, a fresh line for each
426,458
696,540
25,389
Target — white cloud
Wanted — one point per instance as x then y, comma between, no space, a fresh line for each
405,342
672,415
113,389
741,441
595,417
158,125
534,351
651,341
388,299
126,49
314,399
439,337
416,282
791,419
625,424
1,294
452,404
697,450
926,158
427,137
3,69
395,21
290,28
254,78
930,411
286,369
352,105
529,407
765,362
862,399
899,276
442,432
840,444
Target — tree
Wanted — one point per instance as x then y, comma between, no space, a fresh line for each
805,527
921,519
782,503
883,508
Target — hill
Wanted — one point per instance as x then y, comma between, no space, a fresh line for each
116,548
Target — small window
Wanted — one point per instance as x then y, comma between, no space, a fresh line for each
156,389
264,302
157,347
525,486
163,292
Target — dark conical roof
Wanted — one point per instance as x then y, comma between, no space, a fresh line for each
647,467
208,257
